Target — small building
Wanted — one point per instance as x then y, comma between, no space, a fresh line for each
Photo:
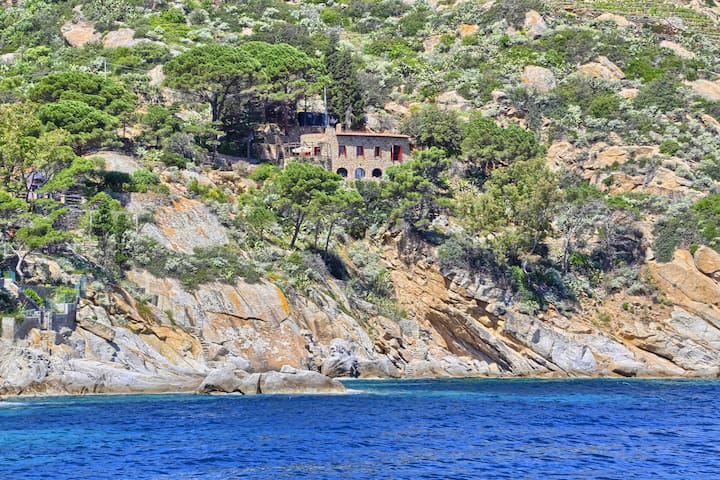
354,154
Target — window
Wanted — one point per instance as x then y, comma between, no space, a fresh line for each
317,151
396,153
359,151
378,151
342,172
342,151
376,173
359,173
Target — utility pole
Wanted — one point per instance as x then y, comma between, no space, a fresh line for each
105,68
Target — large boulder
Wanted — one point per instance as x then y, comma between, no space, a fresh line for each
117,162
683,280
602,68
77,34
707,89
467,29
9,58
539,78
629,93
123,37
535,24
291,381
453,101
157,75
707,260
688,287
21,367
230,380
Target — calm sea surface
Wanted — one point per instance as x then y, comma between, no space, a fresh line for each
455,429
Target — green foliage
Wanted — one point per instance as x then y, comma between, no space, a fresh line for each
144,181
661,93
212,73
207,193
214,264
344,92
419,188
669,147
34,296
433,127
86,125
264,171
677,229
101,94
373,279
487,146
512,11
300,188
515,209
708,218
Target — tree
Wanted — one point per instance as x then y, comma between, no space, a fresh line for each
86,126
26,149
106,220
94,90
299,189
289,73
516,208
212,74
584,208
487,146
37,232
433,127
419,187
344,91
334,210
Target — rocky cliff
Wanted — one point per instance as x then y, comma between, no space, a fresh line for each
253,338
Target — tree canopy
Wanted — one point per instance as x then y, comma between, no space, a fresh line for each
212,73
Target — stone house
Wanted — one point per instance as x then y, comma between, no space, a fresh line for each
354,154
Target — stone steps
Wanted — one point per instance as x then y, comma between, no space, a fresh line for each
204,345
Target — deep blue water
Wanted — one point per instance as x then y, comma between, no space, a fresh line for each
454,429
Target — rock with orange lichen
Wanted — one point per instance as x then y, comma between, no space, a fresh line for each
181,224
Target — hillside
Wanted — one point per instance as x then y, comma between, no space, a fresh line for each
558,214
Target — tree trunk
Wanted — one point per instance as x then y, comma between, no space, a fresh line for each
298,224
327,238
18,268
317,234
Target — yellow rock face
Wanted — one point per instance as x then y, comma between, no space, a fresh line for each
707,261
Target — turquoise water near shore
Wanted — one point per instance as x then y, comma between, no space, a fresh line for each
406,429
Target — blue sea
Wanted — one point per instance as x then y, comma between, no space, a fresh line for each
408,429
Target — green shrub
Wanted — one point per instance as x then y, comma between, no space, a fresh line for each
34,296
669,147
661,93
679,228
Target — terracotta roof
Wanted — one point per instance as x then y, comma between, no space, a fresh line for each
371,134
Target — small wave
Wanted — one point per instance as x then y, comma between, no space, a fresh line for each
10,404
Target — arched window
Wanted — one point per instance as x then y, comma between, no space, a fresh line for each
342,172
359,173
377,173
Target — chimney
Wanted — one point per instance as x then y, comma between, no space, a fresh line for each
338,127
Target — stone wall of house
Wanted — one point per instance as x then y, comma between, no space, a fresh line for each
357,163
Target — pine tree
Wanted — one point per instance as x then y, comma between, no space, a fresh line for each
345,100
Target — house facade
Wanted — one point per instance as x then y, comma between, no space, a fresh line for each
356,155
